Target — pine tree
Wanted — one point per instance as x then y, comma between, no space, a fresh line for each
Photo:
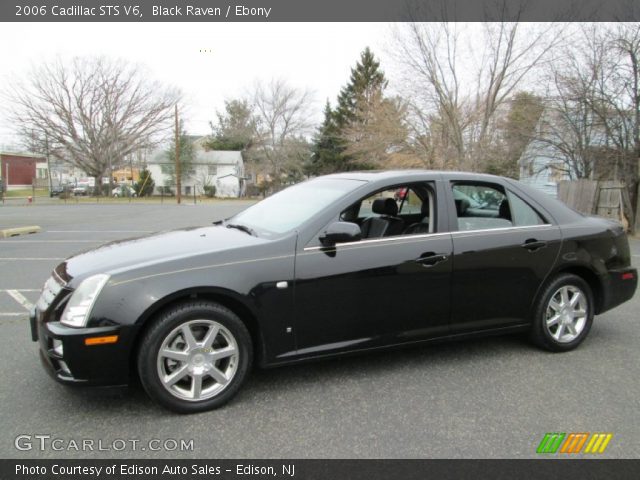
145,184
235,128
366,83
328,146
362,117
187,154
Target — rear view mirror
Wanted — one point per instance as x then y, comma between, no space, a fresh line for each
340,232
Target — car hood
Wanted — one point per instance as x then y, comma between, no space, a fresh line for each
123,255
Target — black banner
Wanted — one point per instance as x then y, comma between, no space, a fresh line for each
315,11
318,469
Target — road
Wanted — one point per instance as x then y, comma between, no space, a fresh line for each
487,398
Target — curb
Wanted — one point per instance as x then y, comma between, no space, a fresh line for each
13,232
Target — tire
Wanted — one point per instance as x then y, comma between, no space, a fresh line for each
217,356
561,320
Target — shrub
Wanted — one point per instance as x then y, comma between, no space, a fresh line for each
210,191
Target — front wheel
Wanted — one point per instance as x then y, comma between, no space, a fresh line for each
194,357
563,314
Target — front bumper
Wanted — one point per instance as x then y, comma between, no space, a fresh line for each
67,358
619,285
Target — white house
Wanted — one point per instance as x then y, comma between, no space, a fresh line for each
567,146
223,170
540,168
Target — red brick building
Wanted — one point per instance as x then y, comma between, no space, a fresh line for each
18,170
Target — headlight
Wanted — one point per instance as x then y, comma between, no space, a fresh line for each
76,313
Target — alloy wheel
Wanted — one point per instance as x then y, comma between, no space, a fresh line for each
197,360
566,314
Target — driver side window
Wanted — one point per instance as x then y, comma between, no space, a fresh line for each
404,210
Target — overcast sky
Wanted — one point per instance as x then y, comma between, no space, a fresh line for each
313,55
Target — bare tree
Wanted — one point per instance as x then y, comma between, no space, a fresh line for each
590,128
282,121
92,111
460,102
574,124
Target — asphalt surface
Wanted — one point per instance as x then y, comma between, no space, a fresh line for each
486,398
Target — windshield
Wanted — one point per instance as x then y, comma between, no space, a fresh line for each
289,208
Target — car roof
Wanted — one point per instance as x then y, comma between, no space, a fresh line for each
409,175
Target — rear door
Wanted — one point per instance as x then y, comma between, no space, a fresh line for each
503,250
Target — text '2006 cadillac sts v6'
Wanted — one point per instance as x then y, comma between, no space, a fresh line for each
338,264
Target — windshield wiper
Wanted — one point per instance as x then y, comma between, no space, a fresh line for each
243,228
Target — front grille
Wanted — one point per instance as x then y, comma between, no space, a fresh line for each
52,288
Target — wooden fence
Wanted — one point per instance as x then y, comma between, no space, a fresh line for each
607,199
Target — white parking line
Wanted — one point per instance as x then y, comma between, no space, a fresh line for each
28,259
21,299
99,231
53,241
12,314
19,289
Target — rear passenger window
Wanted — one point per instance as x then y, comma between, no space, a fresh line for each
481,206
523,214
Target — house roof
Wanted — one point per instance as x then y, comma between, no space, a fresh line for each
23,154
213,157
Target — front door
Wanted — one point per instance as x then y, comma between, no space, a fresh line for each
382,289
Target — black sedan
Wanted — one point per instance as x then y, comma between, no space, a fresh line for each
335,265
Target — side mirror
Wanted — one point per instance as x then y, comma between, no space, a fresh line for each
340,232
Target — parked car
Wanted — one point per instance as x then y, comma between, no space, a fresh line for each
189,311
124,191
81,190
58,190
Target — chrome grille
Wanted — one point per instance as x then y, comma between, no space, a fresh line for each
50,291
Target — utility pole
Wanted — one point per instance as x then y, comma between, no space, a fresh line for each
178,183
46,151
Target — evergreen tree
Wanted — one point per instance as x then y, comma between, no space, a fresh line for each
187,154
362,117
328,147
366,83
145,184
235,128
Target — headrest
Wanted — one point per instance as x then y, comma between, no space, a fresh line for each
461,206
385,206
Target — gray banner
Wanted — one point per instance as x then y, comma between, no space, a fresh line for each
315,10
319,469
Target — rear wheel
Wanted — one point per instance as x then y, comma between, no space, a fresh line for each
563,314
195,357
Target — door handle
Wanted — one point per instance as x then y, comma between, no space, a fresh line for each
430,259
532,244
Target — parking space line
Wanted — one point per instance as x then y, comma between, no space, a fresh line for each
12,314
53,241
19,289
28,259
99,231
21,299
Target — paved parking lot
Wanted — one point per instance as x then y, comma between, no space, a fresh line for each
493,397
